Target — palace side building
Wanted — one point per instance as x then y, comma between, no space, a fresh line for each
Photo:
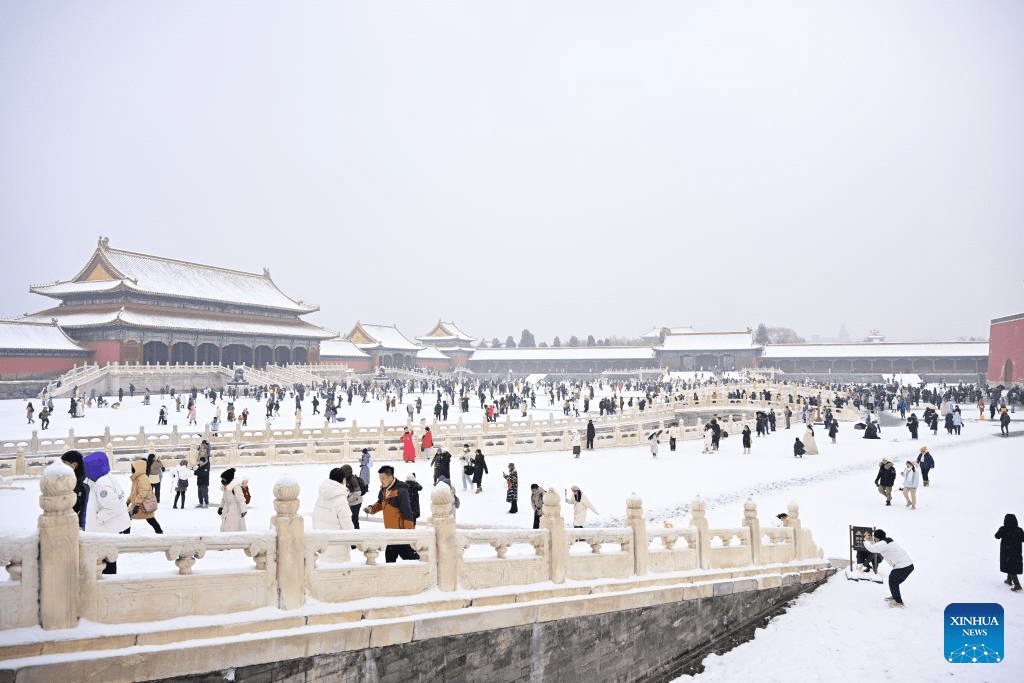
128,307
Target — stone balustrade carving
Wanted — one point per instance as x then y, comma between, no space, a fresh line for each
66,583
233,445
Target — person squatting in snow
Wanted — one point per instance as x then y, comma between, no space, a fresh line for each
895,555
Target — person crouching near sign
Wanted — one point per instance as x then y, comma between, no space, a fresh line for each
901,563
393,500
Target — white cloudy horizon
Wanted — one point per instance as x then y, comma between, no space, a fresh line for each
569,168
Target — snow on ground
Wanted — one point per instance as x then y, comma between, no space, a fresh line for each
844,631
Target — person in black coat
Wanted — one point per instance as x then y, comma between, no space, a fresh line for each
75,461
414,488
479,467
871,430
591,433
798,448
203,478
1011,539
926,462
885,478
912,425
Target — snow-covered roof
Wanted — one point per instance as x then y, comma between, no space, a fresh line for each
340,348
367,336
567,353
708,341
447,332
878,350
655,332
110,269
26,335
69,318
430,354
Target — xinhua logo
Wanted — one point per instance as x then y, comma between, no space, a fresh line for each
974,633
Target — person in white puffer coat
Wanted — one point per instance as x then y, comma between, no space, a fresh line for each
333,513
911,480
580,504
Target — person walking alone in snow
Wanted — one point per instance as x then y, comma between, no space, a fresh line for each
1011,561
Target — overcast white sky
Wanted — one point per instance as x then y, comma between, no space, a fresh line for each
569,167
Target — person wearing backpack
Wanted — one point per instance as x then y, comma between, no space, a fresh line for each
393,502
414,488
926,463
356,488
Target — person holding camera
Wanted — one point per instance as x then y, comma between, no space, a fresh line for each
901,563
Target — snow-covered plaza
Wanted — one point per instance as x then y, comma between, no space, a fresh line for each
842,631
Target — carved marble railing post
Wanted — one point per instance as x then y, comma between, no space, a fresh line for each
58,548
19,463
700,521
793,521
291,542
751,522
71,440
558,547
635,521
448,553
33,443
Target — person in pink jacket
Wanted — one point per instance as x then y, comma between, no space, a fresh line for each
408,447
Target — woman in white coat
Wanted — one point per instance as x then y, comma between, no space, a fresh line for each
911,480
810,445
332,513
106,508
580,503
232,504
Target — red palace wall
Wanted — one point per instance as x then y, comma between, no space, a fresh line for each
1006,342
106,351
356,365
29,366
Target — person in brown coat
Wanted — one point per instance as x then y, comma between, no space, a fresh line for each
393,501
141,489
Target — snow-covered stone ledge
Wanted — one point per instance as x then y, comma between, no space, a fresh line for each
287,566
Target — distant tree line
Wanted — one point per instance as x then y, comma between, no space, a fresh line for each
528,341
776,335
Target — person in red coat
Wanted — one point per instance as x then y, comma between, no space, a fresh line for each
428,441
408,448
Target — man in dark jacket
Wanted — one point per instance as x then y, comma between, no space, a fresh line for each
203,481
393,500
926,462
885,478
591,433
